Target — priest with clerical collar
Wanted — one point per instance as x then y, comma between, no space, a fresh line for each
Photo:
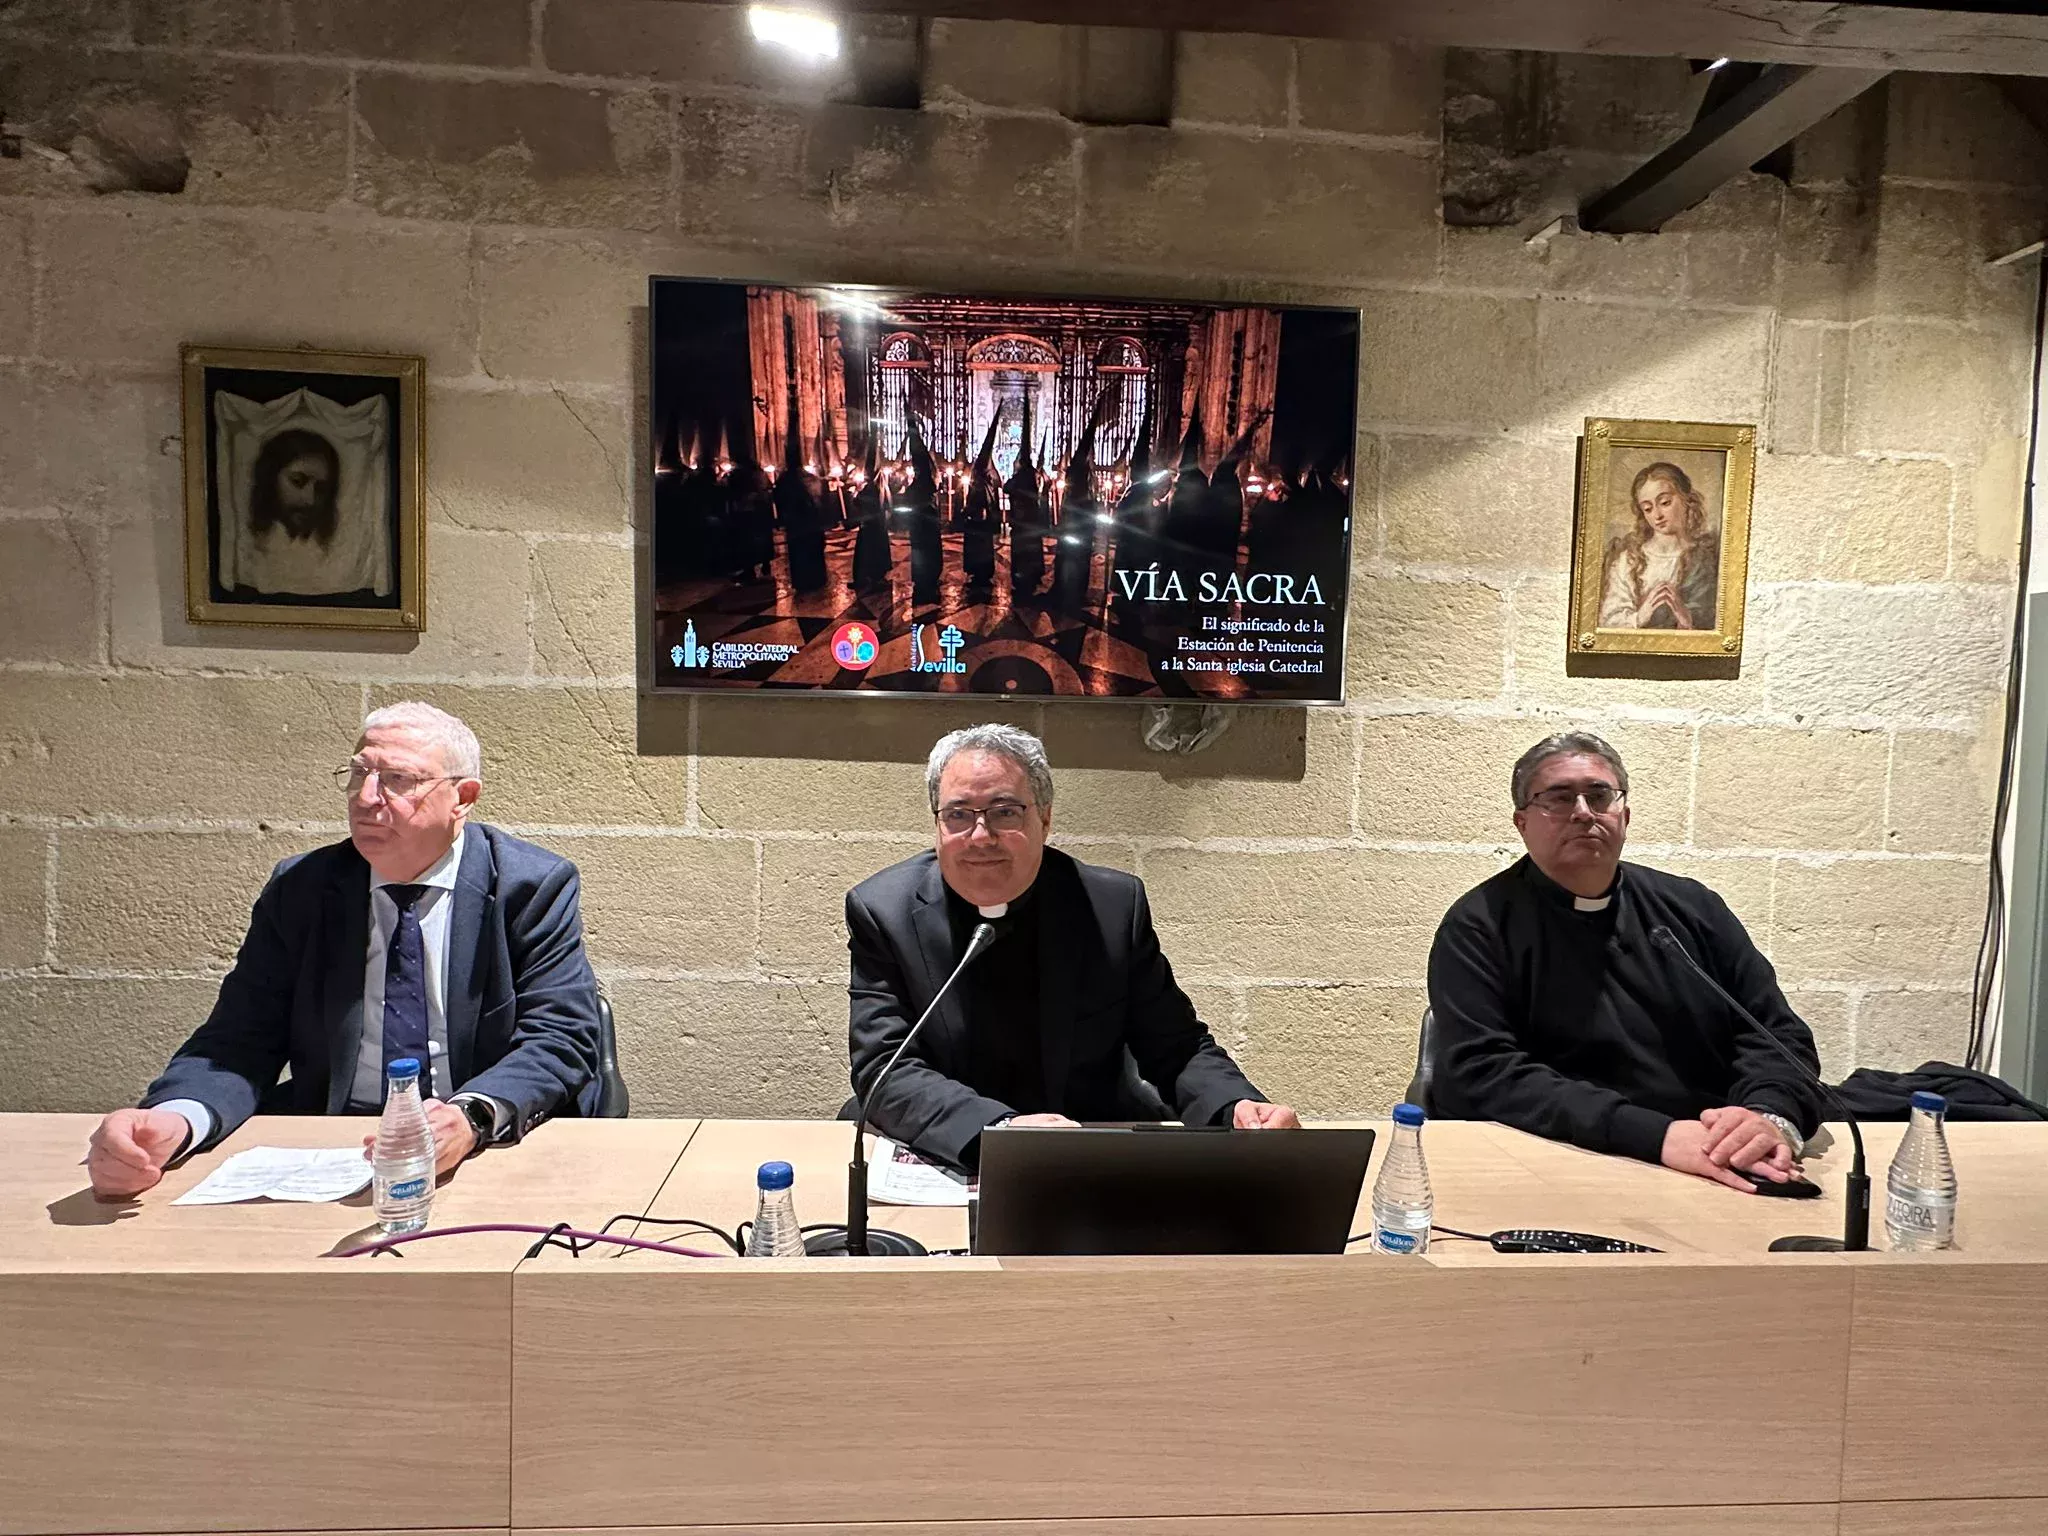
1556,1013
1071,1015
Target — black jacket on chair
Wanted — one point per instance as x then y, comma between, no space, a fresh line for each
521,1004
1104,989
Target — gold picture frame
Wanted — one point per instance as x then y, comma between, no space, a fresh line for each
1660,563
303,488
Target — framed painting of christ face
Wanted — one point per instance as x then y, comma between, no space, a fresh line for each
1662,555
302,489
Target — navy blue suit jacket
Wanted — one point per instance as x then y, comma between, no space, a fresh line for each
521,1002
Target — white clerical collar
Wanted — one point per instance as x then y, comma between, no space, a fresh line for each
1000,909
440,873
1592,903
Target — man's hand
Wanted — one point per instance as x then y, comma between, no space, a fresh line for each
1040,1120
1744,1140
1256,1115
452,1135
128,1151
1685,1150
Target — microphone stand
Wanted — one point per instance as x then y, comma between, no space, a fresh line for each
1855,1236
855,1239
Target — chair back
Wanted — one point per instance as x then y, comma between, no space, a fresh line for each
612,1097
1425,1064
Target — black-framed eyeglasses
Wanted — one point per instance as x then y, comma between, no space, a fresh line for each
1002,816
1563,800
349,778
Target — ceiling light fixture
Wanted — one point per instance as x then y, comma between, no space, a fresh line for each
808,34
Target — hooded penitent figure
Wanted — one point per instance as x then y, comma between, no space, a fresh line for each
674,557
799,506
978,516
871,558
1135,532
927,546
1181,529
1080,525
1223,513
750,513
1027,518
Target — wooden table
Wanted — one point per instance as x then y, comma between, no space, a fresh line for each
208,1368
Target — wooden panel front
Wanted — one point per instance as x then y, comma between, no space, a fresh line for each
964,1390
1948,1517
251,1401
1945,1396
1776,1520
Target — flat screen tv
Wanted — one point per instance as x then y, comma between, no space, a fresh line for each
867,491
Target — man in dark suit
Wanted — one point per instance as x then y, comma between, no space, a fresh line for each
1038,1029
424,935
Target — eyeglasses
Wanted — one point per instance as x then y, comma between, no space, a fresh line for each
351,777
1562,801
1003,816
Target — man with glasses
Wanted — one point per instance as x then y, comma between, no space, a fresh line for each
1556,1012
425,934
1040,1028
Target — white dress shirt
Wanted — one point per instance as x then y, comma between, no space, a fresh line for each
435,908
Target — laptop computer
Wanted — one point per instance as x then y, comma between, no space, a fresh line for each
1161,1189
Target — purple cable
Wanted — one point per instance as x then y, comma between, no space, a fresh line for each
384,1243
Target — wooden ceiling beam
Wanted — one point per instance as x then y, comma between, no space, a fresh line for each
1765,113
1989,37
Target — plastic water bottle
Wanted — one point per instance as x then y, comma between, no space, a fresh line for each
402,1161
1401,1202
776,1234
1920,1193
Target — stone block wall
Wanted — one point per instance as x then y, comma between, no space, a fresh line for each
490,183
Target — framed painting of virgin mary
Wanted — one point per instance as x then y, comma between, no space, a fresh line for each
1661,561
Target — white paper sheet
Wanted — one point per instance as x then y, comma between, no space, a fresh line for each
898,1176
282,1173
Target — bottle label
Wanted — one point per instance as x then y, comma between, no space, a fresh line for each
1912,1216
411,1189
1393,1240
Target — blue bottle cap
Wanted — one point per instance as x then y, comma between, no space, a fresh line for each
776,1176
404,1066
1407,1114
1933,1103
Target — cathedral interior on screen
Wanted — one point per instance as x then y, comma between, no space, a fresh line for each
1072,482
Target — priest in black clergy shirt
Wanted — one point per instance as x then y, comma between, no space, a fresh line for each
1557,1014
1036,1030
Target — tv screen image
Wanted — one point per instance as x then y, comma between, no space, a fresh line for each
859,490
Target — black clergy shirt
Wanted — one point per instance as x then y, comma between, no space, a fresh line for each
1005,1050
1558,1015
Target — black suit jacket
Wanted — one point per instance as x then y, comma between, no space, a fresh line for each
521,1003
1104,988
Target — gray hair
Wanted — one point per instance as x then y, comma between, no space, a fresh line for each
1563,744
1005,741
460,753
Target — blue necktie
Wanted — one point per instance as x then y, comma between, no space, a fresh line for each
405,987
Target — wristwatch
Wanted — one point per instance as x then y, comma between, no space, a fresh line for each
1789,1131
483,1120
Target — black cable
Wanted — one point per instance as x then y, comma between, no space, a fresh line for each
554,1238
1992,943
688,1223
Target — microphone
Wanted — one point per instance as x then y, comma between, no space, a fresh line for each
855,1239
1855,1236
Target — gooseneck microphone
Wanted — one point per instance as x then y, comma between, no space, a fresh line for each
1855,1236
855,1239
